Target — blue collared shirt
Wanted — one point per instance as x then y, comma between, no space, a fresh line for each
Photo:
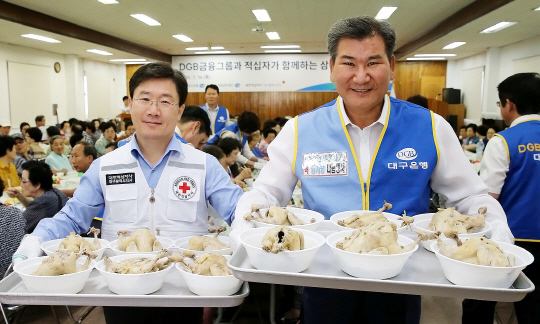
88,199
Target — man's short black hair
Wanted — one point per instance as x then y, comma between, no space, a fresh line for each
35,133
124,98
6,143
106,125
463,127
52,130
88,149
473,126
39,118
114,145
419,100
267,131
159,70
482,130
22,125
72,120
214,150
75,138
40,173
91,126
127,124
270,123
212,86
194,113
228,144
523,89
249,122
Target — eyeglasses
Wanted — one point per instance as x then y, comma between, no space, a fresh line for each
162,104
499,104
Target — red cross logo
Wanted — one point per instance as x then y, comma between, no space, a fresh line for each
184,187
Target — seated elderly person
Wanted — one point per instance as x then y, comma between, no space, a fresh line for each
37,183
12,230
57,160
82,156
109,133
215,151
231,148
33,137
8,172
21,148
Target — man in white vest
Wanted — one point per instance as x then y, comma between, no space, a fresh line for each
154,181
362,149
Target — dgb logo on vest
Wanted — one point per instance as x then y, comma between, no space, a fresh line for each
184,188
407,154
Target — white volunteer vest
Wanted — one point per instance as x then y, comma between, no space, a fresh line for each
175,208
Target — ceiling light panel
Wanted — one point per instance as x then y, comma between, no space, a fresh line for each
425,58
204,48
537,9
214,52
100,52
454,45
128,60
272,35
41,38
497,27
145,19
108,1
183,38
433,55
280,46
283,51
385,13
217,48
261,15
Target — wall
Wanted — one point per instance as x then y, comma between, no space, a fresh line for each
66,87
408,76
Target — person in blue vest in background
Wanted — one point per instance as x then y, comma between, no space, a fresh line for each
219,115
511,169
359,150
248,123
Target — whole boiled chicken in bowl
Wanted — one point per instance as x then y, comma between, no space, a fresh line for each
284,216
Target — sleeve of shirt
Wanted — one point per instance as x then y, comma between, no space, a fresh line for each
246,151
79,211
275,183
494,165
455,178
52,162
220,191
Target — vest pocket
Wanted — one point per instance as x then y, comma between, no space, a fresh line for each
184,194
122,202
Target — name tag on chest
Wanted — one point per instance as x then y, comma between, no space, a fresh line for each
120,178
325,164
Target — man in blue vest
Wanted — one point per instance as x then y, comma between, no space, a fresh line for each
219,115
359,150
511,169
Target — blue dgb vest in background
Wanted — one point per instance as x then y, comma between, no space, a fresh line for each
400,169
233,129
219,121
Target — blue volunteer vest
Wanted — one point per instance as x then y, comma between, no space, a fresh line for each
219,121
233,129
127,140
519,195
402,164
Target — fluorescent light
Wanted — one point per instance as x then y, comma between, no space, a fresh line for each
204,48
272,35
283,51
495,28
433,55
128,60
96,51
537,9
217,48
108,1
280,46
147,20
183,38
41,38
425,58
261,15
214,52
454,45
385,13
133,62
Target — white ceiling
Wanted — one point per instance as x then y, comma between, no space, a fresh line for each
229,23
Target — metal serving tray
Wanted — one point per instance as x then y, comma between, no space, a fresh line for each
174,293
421,275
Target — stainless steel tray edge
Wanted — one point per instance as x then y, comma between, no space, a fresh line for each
242,269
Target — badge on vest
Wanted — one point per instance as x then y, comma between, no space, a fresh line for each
184,188
121,178
325,164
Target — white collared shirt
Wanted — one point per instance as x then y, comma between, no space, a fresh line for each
453,177
495,164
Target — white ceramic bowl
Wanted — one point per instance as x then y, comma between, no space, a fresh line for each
166,243
50,247
369,266
422,226
64,284
210,285
473,275
133,284
346,214
285,261
304,214
183,243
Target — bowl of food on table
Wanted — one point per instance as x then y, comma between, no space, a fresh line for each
76,243
141,241
284,216
354,219
201,244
